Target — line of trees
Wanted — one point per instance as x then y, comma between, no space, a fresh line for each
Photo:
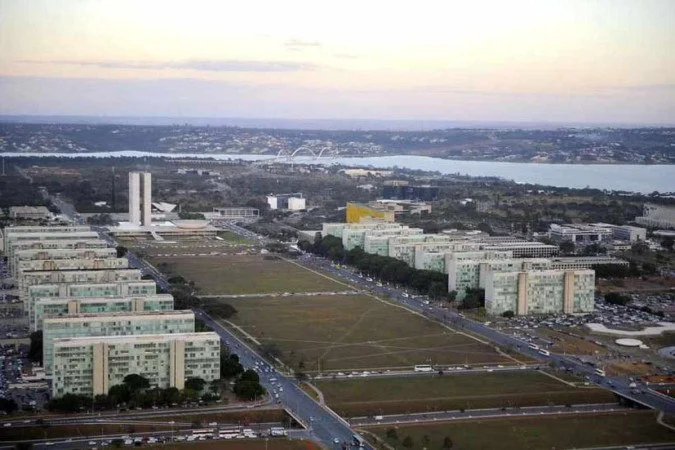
392,270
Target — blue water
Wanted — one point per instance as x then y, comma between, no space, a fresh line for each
633,178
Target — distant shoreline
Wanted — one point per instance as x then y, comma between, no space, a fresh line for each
56,154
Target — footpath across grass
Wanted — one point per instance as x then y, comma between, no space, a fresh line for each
396,395
545,432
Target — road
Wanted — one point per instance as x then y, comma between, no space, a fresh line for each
621,385
322,424
483,413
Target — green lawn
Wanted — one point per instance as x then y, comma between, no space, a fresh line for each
546,432
247,274
394,395
345,332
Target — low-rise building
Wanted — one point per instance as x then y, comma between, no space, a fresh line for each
657,216
524,249
580,234
585,262
29,212
291,202
62,306
540,292
111,324
92,365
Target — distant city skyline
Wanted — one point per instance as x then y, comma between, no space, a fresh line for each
580,62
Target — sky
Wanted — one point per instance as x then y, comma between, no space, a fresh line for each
586,61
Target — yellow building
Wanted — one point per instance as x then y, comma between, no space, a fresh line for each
358,212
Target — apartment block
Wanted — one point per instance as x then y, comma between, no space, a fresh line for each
92,365
468,273
12,238
23,259
114,289
540,292
74,276
112,324
62,306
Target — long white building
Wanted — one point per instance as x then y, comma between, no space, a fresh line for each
63,306
92,365
112,324
540,292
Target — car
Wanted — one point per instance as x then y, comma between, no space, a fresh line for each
336,441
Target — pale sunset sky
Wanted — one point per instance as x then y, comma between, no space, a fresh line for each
586,61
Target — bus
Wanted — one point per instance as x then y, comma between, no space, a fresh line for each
533,346
600,372
424,368
544,352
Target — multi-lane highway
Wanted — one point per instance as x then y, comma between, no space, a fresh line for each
620,385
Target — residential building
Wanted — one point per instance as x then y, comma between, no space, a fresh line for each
111,324
61,306
90,366
540,292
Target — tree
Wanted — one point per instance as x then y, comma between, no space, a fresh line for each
408,442
437,290
392,434
614,298
250,375
426,440
447,443
668,243
121,251
508,314
136,383
567,247
248,389
230,366
195,384
35,350
452,296
8,405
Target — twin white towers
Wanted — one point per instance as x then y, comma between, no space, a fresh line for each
135,216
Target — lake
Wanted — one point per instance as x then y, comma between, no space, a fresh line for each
634,178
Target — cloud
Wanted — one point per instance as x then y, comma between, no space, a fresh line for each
300,44
345,56
203,65
644,87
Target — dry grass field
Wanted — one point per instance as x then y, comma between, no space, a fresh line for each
246,274
545,432
354,332
398,395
